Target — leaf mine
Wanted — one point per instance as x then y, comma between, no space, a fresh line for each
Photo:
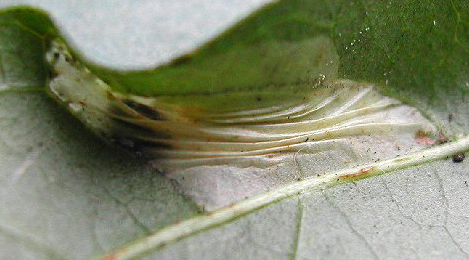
343,120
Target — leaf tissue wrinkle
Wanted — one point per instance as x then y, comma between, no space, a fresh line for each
292,98
261,134
255,114
328,109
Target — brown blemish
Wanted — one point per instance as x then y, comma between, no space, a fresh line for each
423,137
362,172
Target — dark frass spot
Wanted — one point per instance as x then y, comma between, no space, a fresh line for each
459,157
144,110
450,117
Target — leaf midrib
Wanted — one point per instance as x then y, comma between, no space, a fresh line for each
173,233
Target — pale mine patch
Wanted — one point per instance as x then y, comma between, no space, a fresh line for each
215,183
349,124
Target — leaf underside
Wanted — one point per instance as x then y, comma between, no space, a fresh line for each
294,91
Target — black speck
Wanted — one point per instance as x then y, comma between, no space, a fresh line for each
450,117
144,110
459,157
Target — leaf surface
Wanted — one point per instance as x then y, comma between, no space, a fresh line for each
65,195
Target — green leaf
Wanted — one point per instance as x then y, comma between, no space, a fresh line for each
68,196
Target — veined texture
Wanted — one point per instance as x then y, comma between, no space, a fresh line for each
327,123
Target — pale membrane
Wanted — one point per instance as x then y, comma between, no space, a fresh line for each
220,158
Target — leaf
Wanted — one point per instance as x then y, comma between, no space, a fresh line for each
361,63
413,213
64,194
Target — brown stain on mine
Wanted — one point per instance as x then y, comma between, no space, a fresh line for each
362,172
424,137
